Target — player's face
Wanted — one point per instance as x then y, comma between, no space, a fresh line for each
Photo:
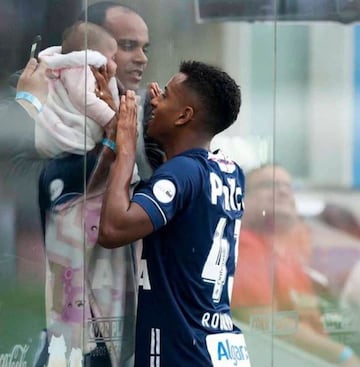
167,108
132,37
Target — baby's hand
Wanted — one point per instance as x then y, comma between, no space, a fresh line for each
102,91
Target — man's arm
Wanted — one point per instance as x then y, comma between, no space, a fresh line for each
121,221
105,159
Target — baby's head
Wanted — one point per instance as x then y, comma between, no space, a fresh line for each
81,36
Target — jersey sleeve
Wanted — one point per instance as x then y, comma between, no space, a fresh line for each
172,186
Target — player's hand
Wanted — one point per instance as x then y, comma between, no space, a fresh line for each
34,80
126,134
102,90
154,90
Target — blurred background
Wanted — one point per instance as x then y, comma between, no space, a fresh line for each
298,65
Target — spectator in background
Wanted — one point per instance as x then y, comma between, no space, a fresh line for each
272,272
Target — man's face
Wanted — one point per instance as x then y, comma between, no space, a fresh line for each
132,37
167,107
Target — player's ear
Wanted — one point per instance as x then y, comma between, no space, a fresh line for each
185,116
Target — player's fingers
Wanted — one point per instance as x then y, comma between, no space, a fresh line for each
130,93
152,90
158,89
155,90
122,106
131,102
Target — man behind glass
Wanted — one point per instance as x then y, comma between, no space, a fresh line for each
102,285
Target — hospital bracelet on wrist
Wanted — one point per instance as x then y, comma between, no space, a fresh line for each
346,354
30,98
109,143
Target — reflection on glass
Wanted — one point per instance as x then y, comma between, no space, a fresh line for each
300,285
280,288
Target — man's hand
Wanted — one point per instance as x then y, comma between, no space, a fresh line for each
102,91
33,80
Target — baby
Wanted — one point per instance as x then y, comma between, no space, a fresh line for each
73,118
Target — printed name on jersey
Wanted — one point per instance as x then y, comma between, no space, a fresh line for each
228,349
164,191
217,321
230,194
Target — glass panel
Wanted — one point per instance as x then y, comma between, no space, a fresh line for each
302,254
23,254
308,291
316,251
295,293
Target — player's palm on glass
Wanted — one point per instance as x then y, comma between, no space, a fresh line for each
127,124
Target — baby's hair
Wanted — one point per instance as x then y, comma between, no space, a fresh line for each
81,36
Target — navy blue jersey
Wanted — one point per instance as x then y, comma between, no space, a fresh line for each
195,202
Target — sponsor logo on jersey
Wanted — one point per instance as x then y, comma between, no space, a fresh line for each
228,349
164,191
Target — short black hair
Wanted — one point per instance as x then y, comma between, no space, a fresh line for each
96,13
218,92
